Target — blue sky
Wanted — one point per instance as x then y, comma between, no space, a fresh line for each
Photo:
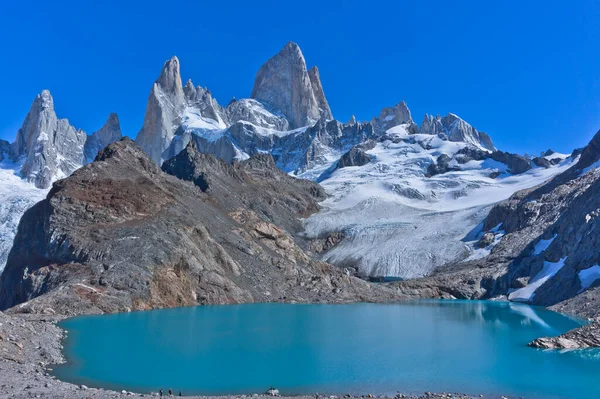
526,72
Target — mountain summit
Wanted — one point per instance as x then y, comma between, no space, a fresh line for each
49,147
284,84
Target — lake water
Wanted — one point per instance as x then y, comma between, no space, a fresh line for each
457,346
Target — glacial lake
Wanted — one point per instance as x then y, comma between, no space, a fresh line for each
454,346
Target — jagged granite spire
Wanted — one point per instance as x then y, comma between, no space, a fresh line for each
109,133
432,125
165,104
51,147
315,81
283,83
393,116
459,130
456,129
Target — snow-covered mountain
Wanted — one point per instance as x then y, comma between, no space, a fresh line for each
46,149
399,219
404,198
403,195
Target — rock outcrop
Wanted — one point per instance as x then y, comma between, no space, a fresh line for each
165,105
355,157
109,133
315,80
284,84
389,117
50,147
456,129
516,163
4,150
121,234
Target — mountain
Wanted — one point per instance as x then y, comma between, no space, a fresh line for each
46,149
441,171
284,84
406,202
109,133
400,199
538,247
50,147
121,234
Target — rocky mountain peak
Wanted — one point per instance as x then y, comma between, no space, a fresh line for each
458,129
109,133
50,147
315,80
45,99
284,84
170,77
352,120
163,111
393,116
431,125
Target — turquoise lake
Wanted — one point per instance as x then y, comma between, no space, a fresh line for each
454,346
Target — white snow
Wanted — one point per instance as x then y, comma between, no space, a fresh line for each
542,245
478,253
588,276
16,196
207,128
527,293
592,166
398,222
557,155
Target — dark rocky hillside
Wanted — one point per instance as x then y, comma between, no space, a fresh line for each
121,234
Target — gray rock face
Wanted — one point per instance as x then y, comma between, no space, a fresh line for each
441,165
393,116
456,129
315,80
516,163
355,157
432,125
51,147
201,99
4,150
120,234
284,84
163,111
459,130
109,133
254,112
316,143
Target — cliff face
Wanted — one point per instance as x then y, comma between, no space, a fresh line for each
122,234
284,83
50,147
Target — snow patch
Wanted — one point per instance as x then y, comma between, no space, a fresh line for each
527,293
588,276
542,245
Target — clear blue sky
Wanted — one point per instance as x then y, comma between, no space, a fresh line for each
526,72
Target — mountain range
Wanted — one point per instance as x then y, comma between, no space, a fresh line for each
434,203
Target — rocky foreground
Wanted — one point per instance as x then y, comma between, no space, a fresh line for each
122,234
